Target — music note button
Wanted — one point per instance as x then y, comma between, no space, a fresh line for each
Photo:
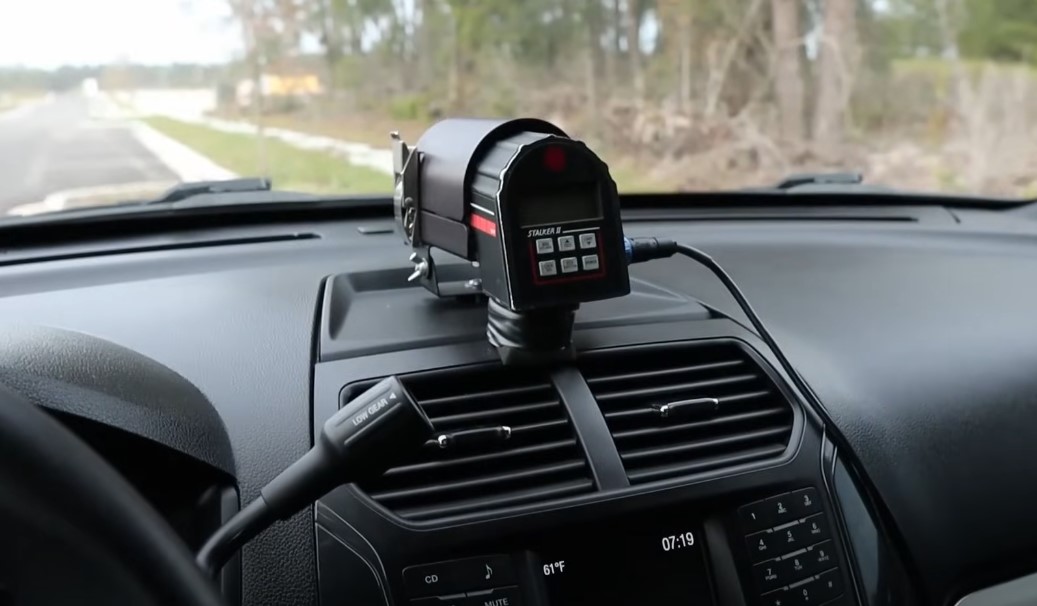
488,572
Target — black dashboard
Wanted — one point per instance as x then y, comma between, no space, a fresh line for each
201,361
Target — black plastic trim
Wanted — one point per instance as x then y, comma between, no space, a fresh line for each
397,543
589,426
418,360
880,573
726,581
827,468
230,576
92,251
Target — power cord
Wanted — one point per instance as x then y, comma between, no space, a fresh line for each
639,250
365,437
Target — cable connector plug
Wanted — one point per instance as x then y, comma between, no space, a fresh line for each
371,433
639,250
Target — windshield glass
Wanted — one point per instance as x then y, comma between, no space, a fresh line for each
104,101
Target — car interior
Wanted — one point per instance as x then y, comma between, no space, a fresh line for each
816,393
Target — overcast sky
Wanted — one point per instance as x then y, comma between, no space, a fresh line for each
49,33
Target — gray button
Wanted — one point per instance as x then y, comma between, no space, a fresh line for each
545,245
566,243
588,240
548,268
590,262
569,265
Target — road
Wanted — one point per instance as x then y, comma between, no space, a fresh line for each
69,142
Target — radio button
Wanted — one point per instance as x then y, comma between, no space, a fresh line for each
545,246
569,265
768,576
793,537
590,262
548,268
815,529
820,557
780,509
778,597
566,243
804,502
448,600
432,579
765,545
807,593
487,572
501,596
588,240
795,568
829,585
757,516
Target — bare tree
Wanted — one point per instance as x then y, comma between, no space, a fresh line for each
615,36
721,56
788,76
838,61
637,74
676,20
249,14
592,17
684,56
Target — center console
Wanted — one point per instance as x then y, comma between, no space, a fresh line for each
663,557
789,557
567,485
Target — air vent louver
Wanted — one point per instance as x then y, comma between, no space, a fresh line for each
752,421
539,461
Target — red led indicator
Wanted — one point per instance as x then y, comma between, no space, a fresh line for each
483,224
554,159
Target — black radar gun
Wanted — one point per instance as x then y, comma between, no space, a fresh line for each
534,212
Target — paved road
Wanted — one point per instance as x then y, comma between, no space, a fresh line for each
66,143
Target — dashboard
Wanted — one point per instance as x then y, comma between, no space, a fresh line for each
202,361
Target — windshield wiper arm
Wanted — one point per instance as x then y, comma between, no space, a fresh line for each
839,178
182,191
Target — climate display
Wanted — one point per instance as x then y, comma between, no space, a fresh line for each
655,562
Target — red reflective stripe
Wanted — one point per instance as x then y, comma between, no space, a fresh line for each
483,224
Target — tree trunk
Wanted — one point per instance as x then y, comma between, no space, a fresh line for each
835,76
610,25
247,13
456,73
637,75
788,75
721,55
332,50
593,59
949,39
684,58
617,26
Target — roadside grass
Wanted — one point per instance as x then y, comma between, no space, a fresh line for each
373,129
290,168
11,100
634,179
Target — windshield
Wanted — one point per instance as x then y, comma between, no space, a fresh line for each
104,101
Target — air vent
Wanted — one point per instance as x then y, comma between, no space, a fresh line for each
509,442
684,409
